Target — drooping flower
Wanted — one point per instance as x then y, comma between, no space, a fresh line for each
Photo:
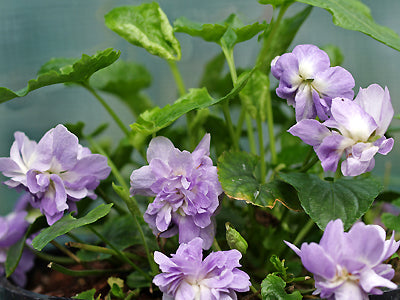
356,129
186,190
309,83
349,265
12,229
186,276
57,171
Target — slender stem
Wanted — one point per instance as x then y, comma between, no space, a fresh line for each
303,232
82,273
261,148
177,76
98,249
250,134
215,245
108,200
225,105
111,164
108,109
267,42
53,258
66,251
270,123
120,254
309,165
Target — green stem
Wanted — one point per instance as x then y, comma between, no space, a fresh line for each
98,249
66,251
303,232
82,273
215,245
261,148
120,254
108,109
270,123
225,104
108,200
309,165
177,76
53,258
264,65
250,134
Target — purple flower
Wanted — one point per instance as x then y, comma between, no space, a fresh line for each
186,276
356,129
348,265
56,172
186,188
308,83
12,229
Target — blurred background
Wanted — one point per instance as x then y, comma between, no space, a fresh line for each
32,32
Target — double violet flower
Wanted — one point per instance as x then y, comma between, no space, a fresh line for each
353,128
186,190
186,276
349,265
309,83
56,172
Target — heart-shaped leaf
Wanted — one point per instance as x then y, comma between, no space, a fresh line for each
273,287
145,26
237,175
62,70
326,200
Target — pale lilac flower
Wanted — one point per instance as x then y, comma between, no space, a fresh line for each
12,229
186,276
186,190
56,172
349,265
309,83
355,129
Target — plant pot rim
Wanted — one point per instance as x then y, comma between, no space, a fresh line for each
10,291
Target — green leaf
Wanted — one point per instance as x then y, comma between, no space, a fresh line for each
145,26
279,265
153,120
273,288
354,15
214,32
115,229
61,70
68,223
237,175
275,3
326,200
14,253
86,295
234,239
283,36
254,94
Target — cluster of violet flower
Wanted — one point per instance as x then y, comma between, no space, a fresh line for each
186,190
354,128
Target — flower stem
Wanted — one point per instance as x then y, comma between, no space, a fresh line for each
177,76
70,272
225,104
250,134
66,251
270,123
303,232
261,148
108,109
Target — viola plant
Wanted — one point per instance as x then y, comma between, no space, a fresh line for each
208,207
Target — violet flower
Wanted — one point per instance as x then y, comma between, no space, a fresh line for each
308,83
349,265
56,172
355,129
186,276
186,190
12,229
